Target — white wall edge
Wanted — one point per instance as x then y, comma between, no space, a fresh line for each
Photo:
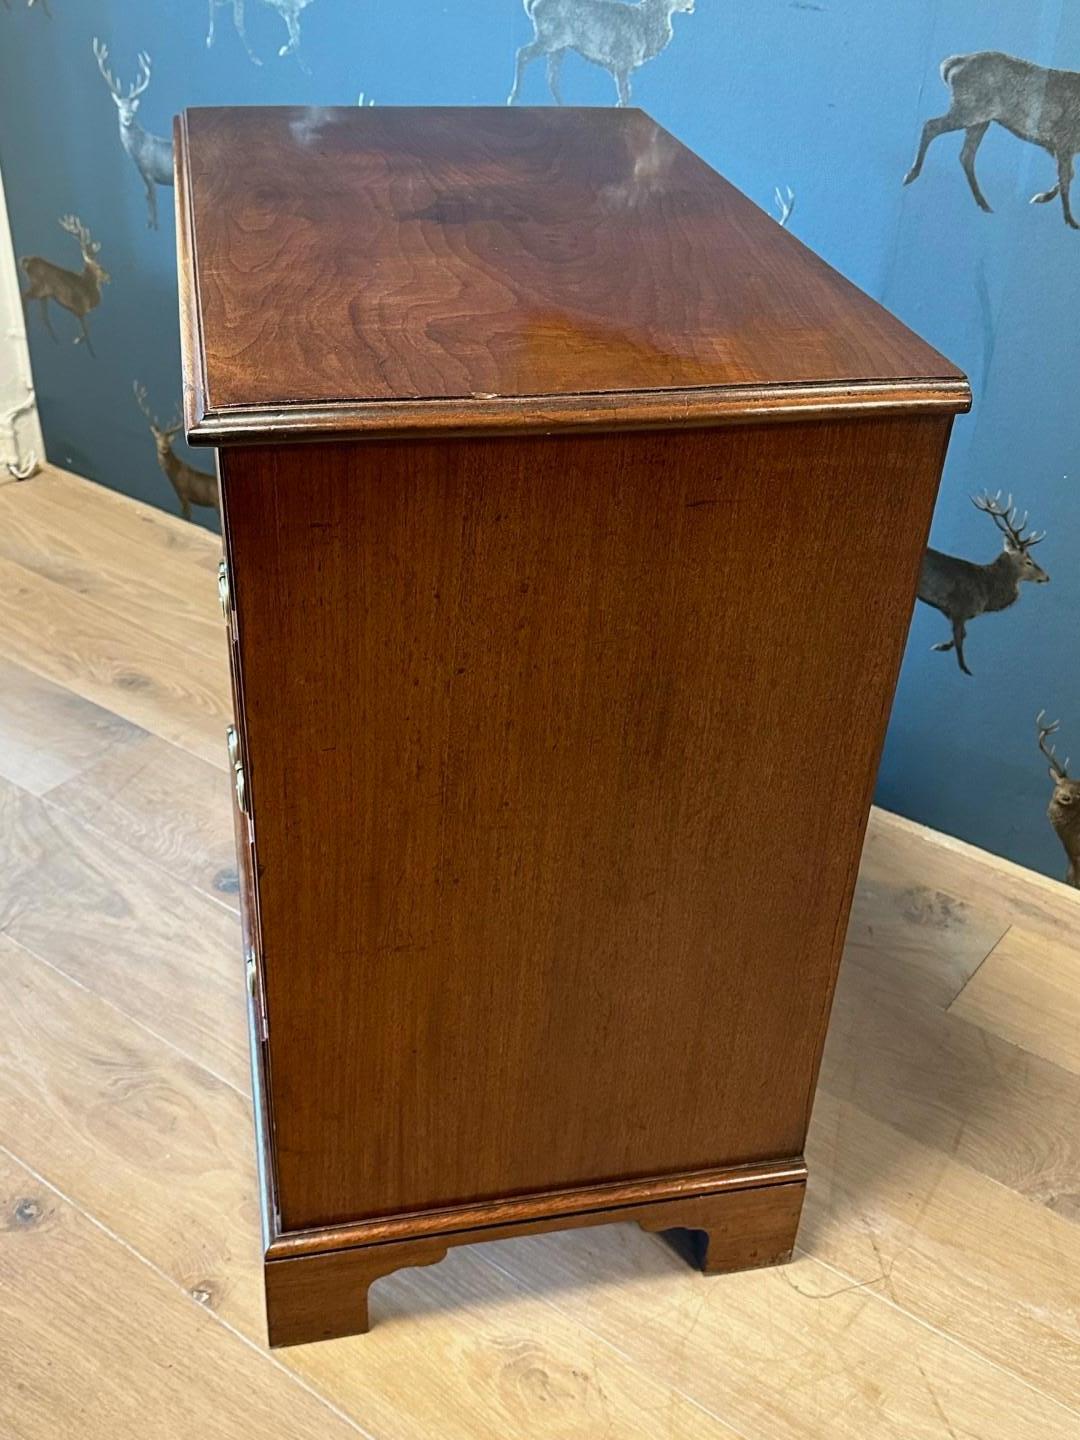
21,442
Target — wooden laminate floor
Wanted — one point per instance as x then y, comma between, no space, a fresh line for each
936,1288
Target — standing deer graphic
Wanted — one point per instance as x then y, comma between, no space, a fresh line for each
76,290
193,487
289,10
152,154
1063,812
617,36
1038,105
962,590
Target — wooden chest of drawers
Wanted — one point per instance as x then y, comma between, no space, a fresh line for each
572,513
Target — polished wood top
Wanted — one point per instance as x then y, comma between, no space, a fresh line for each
381,270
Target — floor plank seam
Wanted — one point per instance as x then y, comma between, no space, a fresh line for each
1007,931
151,860
843,1097
214,653
68,480
98,758
69,682
173,566
1029,1055
211,1315
130,1019
951,1339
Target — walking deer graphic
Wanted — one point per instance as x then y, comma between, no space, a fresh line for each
76,290
617,36
289,10
193,487
962,590
1038,105
152,154
1063,812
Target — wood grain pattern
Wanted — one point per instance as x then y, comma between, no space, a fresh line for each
48,734
505,748
116,923
146,534
169,806
156,1148
153,682
111,566
401,269
96,1343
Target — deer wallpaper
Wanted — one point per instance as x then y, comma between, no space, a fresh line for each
925,149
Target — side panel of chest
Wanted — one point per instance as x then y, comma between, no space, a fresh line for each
558,754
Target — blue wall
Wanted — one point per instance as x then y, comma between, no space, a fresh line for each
825,96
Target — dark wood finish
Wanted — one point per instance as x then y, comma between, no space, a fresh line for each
561,669
550,719
393,269
325,1296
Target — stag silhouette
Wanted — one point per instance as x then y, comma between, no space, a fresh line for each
1063,812
612,34
193,487
962,590
289,10
152,154
76,290
1036,104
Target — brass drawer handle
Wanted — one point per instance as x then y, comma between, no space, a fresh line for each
258,1001
241,787
224,597
239,778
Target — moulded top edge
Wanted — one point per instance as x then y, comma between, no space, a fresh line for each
556,414
518,268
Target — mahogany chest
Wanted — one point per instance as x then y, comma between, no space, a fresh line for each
572,516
